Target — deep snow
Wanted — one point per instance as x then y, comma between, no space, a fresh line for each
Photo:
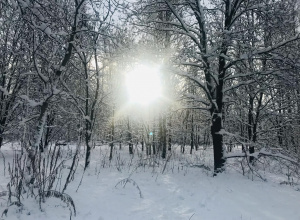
184,191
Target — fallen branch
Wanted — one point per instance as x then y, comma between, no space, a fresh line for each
262,152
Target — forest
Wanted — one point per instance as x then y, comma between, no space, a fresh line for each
163,86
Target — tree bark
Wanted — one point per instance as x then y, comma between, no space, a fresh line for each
216,126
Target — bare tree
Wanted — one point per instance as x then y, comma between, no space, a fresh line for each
212,31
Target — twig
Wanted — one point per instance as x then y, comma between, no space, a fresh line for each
80,181
191,216
167,160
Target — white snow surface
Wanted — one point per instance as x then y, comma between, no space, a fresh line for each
182,192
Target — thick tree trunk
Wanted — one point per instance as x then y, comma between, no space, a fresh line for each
40,127
216,126
217,115
50,122
88,150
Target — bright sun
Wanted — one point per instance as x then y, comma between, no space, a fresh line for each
143,84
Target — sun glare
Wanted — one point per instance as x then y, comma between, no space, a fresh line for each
143,84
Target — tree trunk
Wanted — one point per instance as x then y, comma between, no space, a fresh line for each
130,145
250,127
1,141
192,134
216,126
112,135
153,143
130,148
88,149
164,138
169,134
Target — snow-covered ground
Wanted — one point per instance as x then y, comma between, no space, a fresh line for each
179,188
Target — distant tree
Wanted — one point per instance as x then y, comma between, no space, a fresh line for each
14,55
